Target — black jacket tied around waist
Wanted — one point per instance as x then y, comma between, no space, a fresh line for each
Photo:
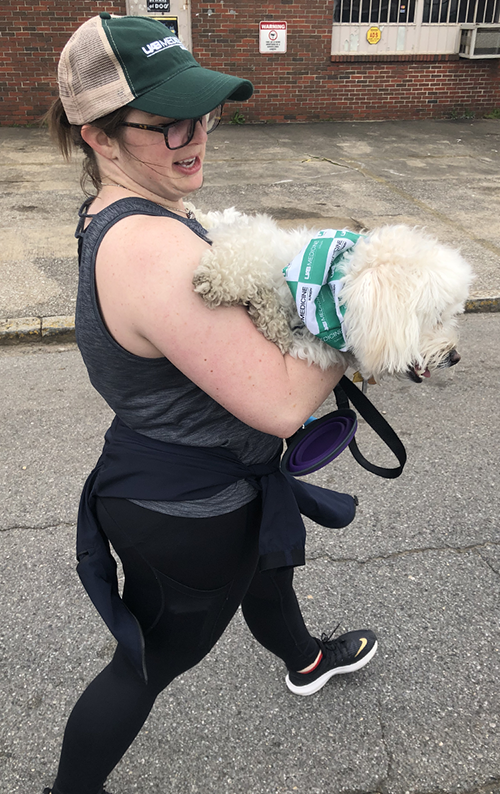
134,466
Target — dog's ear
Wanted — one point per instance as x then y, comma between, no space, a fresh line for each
399,282
382,324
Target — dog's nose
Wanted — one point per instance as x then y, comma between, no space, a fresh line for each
454,357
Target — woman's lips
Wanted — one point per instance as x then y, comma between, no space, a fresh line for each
188,165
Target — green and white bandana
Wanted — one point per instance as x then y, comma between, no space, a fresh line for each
315,280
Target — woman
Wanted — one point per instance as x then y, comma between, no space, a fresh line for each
202,401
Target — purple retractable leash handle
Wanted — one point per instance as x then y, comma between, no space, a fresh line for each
320,441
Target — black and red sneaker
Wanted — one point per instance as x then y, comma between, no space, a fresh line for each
345,654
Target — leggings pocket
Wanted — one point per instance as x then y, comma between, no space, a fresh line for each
190,621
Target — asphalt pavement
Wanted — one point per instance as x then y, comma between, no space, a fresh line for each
420,564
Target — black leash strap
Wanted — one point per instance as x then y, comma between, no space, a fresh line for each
345,391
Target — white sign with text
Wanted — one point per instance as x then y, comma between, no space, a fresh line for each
272,37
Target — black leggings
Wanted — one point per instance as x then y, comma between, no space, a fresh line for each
184,581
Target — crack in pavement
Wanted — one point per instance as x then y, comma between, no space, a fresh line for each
488,563
395,554
320,554
59,525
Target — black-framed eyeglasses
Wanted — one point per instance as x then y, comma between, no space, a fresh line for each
179,133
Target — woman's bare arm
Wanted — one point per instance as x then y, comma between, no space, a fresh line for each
144,275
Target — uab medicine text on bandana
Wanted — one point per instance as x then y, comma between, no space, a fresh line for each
314,277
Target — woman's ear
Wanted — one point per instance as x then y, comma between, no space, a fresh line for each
100,142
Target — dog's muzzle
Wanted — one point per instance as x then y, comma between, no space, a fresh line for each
416,375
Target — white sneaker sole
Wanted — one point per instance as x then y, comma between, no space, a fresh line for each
314,686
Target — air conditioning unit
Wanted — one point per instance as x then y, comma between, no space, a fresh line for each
479,41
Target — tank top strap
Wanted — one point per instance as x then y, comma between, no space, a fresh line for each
102,221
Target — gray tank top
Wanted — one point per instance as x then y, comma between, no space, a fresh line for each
149,394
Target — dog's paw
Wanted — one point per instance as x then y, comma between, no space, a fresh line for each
208,283
222,282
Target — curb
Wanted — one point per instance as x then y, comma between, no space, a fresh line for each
476,305
61,328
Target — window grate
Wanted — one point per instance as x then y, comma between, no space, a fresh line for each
377,11
458,11
401,11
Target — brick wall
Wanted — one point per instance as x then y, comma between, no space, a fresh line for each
32,36
303,84
307,83
414,90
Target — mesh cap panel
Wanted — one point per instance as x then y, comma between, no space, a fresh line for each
91,81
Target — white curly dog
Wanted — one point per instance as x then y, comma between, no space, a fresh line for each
402,292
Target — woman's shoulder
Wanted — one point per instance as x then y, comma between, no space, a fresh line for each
150,252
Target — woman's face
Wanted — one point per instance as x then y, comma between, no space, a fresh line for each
145,158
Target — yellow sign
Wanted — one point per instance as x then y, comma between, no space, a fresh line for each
373,35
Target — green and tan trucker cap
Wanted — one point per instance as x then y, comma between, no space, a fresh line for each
112,61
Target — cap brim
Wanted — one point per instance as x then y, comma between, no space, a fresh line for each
193,92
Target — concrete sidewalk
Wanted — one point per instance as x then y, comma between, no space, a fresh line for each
444,175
